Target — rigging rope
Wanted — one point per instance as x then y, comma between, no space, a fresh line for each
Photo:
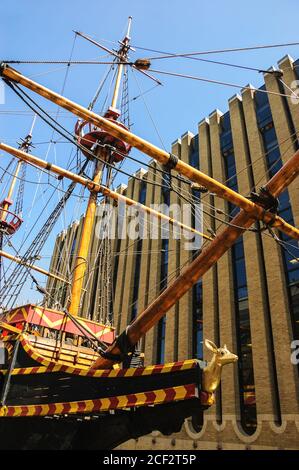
96,157
218,82
20,194
124,107
67,62
99,89
182,55
35,248
215,51
73,138
5,170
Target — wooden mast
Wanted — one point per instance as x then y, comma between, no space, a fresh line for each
88,223
81,257
25,145
151,150
7,201
122,58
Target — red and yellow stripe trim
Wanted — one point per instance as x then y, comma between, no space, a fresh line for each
109,373
9,348
52,366
155,397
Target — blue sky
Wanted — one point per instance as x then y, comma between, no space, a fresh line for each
33,29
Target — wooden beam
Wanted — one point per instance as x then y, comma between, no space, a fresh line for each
10,328
95,187
151,150
192,273
32,266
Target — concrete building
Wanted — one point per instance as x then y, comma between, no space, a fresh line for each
249,300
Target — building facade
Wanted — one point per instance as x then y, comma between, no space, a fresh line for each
248,300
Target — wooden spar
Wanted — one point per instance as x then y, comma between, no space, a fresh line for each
151,150
90,213
98,188
10,192
116,54
25,145
276,221
191,274
10,328
122,57
116,90
32,266
81,257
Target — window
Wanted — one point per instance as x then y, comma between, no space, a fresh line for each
163,275
72,251
134,310
165,188
163,285
142,194
194,156
116,262
197,318
161,340
290,251
263,111
197,306
294,291
245,363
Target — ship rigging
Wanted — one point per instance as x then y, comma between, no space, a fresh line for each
75,360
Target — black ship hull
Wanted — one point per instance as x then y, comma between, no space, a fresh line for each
49,405
105,431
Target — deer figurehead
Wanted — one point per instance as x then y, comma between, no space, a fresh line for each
212,372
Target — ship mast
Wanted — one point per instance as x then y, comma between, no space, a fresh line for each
7,202
103,155
10,221
123,55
